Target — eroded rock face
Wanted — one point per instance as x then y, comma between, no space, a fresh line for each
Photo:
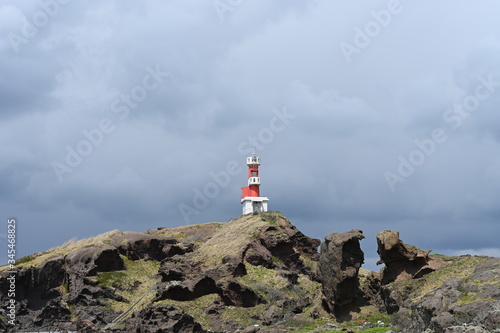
236,294
340,260
87,262
467,304
138,245
272,266
285,242
90,260
45,292
402,261
370,288
40,285
54,311
164,319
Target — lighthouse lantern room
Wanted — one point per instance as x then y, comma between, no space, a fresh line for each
250,196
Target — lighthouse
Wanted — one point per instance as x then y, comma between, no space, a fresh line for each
250,195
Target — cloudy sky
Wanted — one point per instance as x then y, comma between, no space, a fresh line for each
136,115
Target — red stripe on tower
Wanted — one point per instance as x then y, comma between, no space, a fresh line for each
250,195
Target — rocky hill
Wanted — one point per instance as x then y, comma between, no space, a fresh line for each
256,273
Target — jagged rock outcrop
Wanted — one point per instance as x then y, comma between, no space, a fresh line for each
369,285
253,273
340,259
38,286
438,304
164,319
230,291
402,262
144,278
139,245
84,263
284,241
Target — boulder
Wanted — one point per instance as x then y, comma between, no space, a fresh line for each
165,319
258,255
139,245
284,241
465,329
190,289
402,261
339,263
52,313
39,285
236,294
173,271
272,315
86,326
90,260
234,265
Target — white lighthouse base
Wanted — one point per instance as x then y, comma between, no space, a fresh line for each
254,204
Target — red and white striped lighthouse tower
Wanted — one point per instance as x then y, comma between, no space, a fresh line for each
250,195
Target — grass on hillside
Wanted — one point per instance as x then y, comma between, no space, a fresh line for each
459,267
132,283
37,259
355,327
244,316
196,308
229,238
269,284
190,233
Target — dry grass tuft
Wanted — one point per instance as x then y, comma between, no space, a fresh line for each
37,259
134,283
229,239
460,267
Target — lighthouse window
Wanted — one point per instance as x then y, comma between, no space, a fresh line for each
254,173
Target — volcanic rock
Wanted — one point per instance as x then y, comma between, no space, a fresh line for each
138,245
339,263
89,261
284,241
256,271
403,262
40,285
165,319
456,305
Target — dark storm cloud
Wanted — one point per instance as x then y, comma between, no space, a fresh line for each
351,122
26,84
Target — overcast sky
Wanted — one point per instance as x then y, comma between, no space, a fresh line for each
367,115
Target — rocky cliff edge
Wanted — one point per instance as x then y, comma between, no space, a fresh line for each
256,273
